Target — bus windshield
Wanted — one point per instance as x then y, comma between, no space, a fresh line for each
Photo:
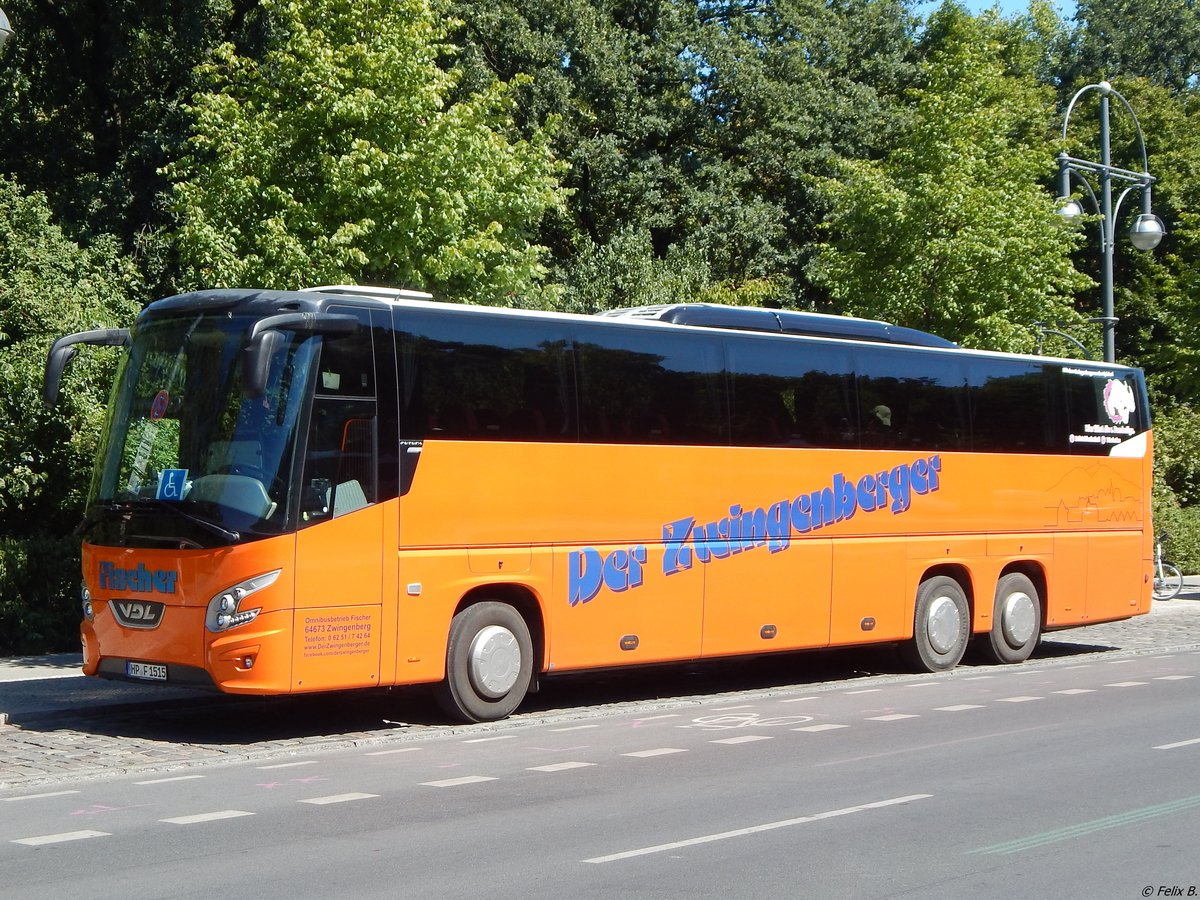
188,456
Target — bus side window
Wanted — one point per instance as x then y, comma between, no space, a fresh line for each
341,462
340,465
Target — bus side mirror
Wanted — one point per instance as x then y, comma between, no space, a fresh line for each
64,351
256,362
266,338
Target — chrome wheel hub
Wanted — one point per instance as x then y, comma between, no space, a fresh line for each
1017,619
494,661
943,624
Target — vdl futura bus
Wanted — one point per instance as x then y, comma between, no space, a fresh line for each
347,487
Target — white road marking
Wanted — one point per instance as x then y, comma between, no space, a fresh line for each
1172,677
894,717
207,817
728,708
829,726
390,752
37,796
289,765
658,751
1016,699
867,691
60,838
958,707
1178,744
337,798
168,780
456,782
485,740
755,829
742,739
560,767
923,684
575,728
637,722
1077,691
1127,684
797,699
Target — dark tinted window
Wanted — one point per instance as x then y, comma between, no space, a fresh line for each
649,386
791,393
912,399
1010,407
341,455
484,377
1102,409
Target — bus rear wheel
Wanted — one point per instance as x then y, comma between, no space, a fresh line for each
941,626
1016,621
489,663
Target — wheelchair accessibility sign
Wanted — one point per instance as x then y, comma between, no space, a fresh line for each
171,484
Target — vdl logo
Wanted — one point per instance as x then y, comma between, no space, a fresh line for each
138,613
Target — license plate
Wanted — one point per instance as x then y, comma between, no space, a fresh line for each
146,671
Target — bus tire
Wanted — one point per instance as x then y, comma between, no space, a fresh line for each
1016,621
941,626
489,663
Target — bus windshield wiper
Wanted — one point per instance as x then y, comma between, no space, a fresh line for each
97,512
102,510
232,536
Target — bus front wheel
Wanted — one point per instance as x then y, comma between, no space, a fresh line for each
489,663
1016,621
941,626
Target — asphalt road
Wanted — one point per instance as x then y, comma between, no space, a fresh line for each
1071,777
64,727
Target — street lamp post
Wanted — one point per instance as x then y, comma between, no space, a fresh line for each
1147,229
5,29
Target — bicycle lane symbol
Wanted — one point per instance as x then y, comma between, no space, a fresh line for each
745,720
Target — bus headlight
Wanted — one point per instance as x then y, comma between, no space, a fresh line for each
85,601
226,610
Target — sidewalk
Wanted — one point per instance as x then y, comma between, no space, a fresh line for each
1171,623
62,726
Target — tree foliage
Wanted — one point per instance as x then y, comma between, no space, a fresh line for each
689,128
1158,40
841,155
335,156
952,231
49,285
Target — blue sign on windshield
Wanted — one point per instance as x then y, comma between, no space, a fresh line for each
171,484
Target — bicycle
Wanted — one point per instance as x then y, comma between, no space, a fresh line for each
1168,580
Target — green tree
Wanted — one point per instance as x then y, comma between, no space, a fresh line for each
690,128
336,155
954,230
91,105
1158,40
48,286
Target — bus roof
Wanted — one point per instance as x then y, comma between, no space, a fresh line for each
744,318
752,320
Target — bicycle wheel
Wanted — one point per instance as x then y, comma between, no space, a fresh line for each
1170,584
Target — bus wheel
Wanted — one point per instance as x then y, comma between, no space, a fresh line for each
489,663
1016,621
941,626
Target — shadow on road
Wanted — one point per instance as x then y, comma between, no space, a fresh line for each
225,722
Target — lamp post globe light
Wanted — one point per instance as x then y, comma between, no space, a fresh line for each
5,29
1148,229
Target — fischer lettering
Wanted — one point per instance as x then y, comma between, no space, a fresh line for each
140,580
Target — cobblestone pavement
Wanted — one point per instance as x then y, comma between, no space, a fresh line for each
68,744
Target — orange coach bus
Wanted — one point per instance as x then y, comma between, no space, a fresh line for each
353,487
